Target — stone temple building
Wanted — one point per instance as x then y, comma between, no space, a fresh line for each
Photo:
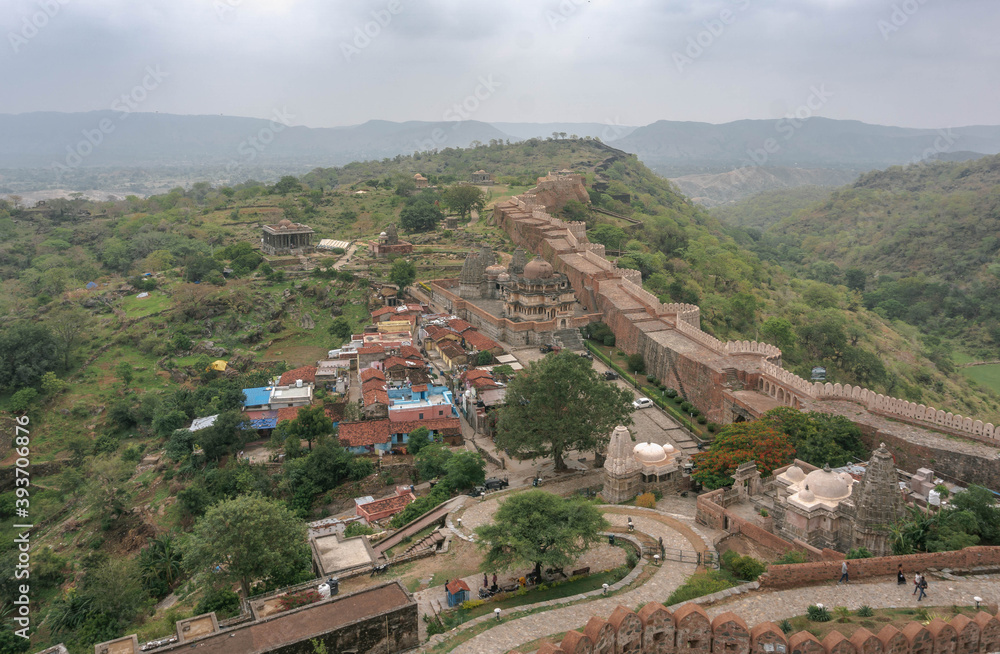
286,238
828,509
631,469
530,290
389,243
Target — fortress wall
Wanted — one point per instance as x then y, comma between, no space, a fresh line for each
802,573
655,629
525,220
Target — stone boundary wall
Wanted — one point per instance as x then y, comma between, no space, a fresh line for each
882,566
711,513
689,630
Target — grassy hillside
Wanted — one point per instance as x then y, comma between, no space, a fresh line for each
919,243
107,377
765,209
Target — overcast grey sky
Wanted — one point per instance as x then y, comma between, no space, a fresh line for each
913,63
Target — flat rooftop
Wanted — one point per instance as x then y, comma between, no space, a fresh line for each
283,629
336,554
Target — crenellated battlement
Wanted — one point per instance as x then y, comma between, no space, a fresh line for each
689,630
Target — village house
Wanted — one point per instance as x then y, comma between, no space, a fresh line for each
368,436
387,506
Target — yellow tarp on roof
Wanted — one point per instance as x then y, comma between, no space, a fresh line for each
219,365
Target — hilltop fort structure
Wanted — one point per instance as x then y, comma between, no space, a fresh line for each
286,238
728,381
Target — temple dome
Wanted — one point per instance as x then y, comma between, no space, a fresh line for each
827,485
495,270
284,222
649,453
668,448
806,495
538,268
795,474
503,277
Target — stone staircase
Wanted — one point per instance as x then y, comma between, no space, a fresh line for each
732,381
433,540
569,339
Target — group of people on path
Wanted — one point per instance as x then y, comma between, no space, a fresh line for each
919,580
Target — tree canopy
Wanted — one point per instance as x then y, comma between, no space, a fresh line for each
27,352
249,538
403,273
739,443
420,216
558,404
539,528
463,198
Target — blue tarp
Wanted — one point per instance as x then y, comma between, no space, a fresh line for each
91,285
257,396
264,423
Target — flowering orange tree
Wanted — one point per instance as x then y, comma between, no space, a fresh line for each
739,443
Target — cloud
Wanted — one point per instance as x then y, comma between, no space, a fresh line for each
559,59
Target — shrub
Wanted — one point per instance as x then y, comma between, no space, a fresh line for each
817,613
764,513
671,393
698,585
865,611
646,501
21,400
358,529
786,626
702,420
223,601
712,427
295,600
686,406
609,340
860,553
792,557
745,568
468,605
843,613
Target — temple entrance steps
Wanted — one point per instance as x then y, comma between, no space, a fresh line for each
569,339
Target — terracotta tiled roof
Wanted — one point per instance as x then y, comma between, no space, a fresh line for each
260,415
306,373
383,311
288,413
482,383
451,350
456,586
372,373
375,395
410,352
418,388
392,362
393,504
370,432
476,373
439,333
371,349
480,341
460,325
335,411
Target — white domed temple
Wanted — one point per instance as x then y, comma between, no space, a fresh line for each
631,469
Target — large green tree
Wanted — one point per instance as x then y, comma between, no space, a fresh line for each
539,528
310,424
403,273
249,538
463,198
559,404
69,327
420,216
27,352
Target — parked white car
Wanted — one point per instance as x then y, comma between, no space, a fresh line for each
642,403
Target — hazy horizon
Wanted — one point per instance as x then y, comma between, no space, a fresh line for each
906,63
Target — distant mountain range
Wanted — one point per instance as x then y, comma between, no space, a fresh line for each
675,148
772,154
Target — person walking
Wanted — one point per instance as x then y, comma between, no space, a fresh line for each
916,582
843,573
486,581
900,577
922,587
494,580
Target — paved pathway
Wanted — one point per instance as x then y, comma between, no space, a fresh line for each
511,634
878,594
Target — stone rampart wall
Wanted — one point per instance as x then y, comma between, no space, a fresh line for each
689,630
882,566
